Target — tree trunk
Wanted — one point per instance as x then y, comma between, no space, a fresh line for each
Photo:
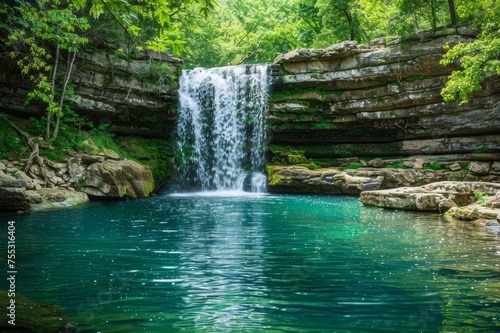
453,14
63,92
434,17
415,22
350,22
52,88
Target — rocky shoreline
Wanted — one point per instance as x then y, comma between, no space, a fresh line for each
99,174
464,187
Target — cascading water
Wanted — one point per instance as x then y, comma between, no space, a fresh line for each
221,132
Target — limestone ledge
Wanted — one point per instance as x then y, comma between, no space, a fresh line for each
467,201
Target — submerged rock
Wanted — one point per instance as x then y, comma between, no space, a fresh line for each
51,198
32,316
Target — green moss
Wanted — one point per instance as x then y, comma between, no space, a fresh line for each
150,187
354,165
323,125
435,166
296,159
480,196
287,155
272,177
483,150
155,153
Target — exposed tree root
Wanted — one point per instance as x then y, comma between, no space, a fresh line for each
34,151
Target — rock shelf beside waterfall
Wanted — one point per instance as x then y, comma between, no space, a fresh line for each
470,201
71,182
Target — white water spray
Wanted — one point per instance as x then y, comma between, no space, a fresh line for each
221,132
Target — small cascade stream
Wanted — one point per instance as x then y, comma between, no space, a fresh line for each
221,128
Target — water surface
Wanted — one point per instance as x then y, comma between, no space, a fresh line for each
259,263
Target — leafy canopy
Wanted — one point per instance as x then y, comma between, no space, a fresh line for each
479,59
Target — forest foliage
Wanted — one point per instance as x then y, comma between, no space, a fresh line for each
37,34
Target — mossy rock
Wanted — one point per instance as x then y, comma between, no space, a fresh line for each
296,159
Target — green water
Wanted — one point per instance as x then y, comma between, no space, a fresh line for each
259,264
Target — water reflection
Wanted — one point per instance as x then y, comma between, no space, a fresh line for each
260,263
222,265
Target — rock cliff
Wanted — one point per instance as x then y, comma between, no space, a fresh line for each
380,99
135,96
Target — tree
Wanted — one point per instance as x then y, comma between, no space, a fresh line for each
37,34
479,59
430,12
39,27
341,18
453,13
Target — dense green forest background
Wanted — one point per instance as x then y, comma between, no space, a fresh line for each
37,35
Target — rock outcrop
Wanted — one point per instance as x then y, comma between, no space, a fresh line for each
380,99
381,174
429,197
468,201
12,196
51,198
301,180
135,96
72,181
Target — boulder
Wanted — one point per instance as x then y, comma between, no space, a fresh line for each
117,179
111,154
445,205
90,159
495,167
6,176
30,184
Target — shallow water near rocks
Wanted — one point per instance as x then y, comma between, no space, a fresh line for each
259,263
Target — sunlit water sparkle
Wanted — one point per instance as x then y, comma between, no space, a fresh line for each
259,263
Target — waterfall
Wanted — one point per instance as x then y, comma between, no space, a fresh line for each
221,135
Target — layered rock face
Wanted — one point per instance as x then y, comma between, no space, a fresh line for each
380,99
135,96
